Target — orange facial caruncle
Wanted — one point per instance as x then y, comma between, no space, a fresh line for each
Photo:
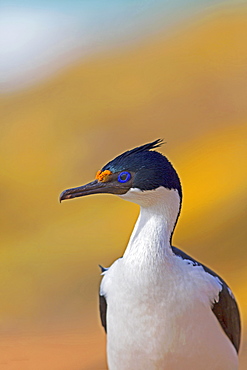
103,175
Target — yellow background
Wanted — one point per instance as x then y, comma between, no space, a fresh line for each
189,87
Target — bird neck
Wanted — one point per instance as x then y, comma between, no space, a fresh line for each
150,241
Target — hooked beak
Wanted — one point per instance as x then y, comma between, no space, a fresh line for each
94,187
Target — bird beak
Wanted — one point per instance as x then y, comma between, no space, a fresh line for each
94,187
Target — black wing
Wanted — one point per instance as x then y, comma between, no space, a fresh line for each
102,309
226,309
102,303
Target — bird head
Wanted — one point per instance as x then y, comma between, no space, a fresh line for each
140,169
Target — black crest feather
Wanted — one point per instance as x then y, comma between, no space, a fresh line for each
154,144
115,164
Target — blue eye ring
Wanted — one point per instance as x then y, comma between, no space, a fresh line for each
124,176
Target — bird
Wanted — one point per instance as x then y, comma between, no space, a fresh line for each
160,308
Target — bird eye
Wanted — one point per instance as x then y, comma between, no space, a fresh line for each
124,176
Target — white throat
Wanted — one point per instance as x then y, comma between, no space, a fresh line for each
151,236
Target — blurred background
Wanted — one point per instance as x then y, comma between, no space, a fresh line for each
83,81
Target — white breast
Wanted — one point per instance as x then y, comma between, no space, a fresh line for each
159,306
164,326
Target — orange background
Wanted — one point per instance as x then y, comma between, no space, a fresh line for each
188,86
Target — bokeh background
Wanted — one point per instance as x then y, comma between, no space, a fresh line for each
83,81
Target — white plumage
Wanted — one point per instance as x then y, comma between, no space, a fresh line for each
159,305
